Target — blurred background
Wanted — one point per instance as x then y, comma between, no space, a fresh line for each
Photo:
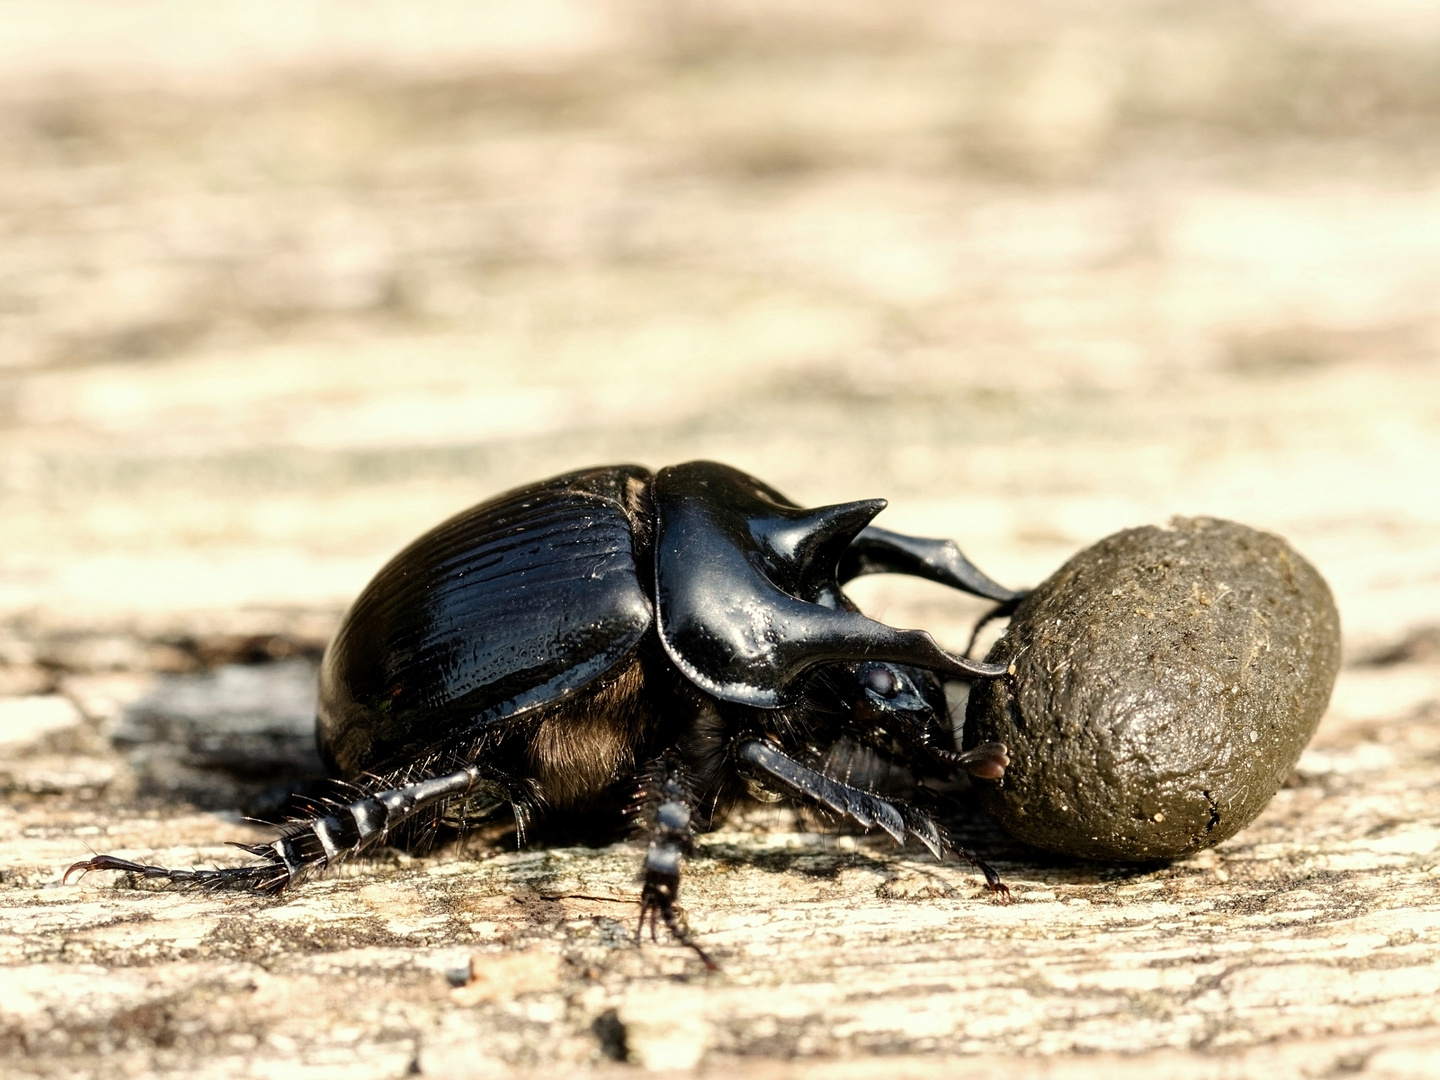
282,284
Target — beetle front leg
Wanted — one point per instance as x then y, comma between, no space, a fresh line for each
665,806
895,817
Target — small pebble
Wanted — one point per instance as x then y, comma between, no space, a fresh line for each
1163,684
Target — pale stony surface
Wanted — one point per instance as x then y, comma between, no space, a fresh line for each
280,288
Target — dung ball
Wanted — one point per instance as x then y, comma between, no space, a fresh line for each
1162,686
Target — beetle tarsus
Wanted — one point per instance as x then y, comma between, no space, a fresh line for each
262,877
993,884
987,761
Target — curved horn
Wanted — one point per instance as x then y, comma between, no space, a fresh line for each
804,548
880,551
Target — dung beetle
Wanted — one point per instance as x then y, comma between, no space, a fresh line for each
613,643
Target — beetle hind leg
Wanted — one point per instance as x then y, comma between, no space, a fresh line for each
334,833
665,812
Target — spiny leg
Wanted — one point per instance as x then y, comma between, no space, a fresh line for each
665,806
813,786
895,817
322,840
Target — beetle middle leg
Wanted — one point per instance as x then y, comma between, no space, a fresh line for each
666,803
894,816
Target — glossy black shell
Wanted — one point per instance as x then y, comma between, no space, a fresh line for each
521,602
513,605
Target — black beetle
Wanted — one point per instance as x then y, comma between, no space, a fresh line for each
684,633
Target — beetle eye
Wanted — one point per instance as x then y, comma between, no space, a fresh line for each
881,682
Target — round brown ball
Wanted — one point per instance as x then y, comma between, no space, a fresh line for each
1162,686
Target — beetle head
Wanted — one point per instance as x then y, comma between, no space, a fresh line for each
747,596
908,704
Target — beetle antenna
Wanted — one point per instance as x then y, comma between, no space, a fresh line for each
987,761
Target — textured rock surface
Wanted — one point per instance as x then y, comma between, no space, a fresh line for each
280,287
1164,682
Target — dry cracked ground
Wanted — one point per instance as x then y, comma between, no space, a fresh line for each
283,284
